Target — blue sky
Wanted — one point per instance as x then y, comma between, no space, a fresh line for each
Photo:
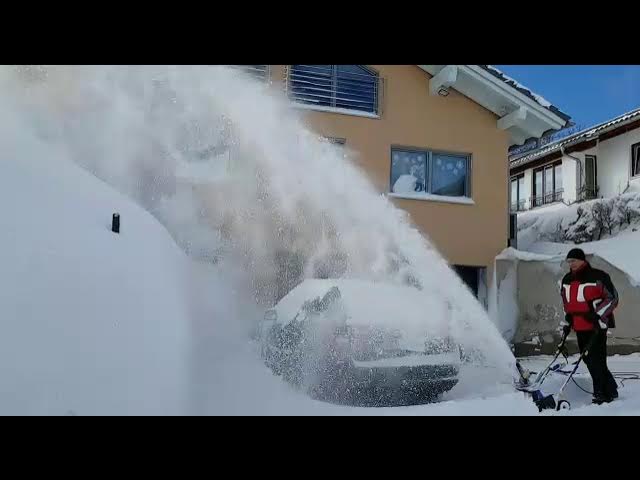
590,94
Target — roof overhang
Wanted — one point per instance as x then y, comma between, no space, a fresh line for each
580,141
521,116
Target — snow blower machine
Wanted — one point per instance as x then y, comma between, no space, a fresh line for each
533,388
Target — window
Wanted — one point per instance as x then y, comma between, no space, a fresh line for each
537,188
336,141
348,87
449,175
557,172
548,180
435,173
517,194
635,160
588,180
260,72
547,185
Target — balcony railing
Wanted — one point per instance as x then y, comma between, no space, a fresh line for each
260,72
518,206
547,198
587,193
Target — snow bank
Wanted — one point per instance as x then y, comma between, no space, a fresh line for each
513,254
539,224
507,318
93,323
620,251
555,222
546,231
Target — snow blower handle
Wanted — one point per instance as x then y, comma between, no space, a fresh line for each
561,346
525,374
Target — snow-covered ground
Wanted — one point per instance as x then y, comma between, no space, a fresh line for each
92,322
266,394
624,367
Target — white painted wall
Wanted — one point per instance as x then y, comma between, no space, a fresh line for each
614,163
570,170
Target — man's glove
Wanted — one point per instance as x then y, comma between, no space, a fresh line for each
597,321
592,317
566,325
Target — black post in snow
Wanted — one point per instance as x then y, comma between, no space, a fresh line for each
115,223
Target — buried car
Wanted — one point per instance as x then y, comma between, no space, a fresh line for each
361,343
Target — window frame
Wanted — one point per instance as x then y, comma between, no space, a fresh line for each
336,140
333,98
262,74
635,148
540,199
517,178
427,194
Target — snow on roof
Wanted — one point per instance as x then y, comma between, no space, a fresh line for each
526,91
513,254
587,134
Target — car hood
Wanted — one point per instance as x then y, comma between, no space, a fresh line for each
414,315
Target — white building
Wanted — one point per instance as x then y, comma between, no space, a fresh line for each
600,162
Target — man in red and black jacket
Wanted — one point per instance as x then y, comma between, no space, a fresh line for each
590,298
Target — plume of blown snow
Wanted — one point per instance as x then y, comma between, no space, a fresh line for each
240,181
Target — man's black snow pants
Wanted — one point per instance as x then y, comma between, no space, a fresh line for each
604,384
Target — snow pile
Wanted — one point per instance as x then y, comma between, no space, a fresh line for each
581,222
507,318
92,322
513,254
620,251
609,228
378,305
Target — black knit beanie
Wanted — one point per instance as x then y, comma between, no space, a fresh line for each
576,254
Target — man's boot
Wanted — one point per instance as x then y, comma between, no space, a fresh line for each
600,398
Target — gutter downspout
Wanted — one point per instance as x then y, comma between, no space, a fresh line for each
579,162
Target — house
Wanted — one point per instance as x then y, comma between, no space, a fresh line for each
433,138
600,162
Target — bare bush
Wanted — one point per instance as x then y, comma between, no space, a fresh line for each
603,217
558,235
